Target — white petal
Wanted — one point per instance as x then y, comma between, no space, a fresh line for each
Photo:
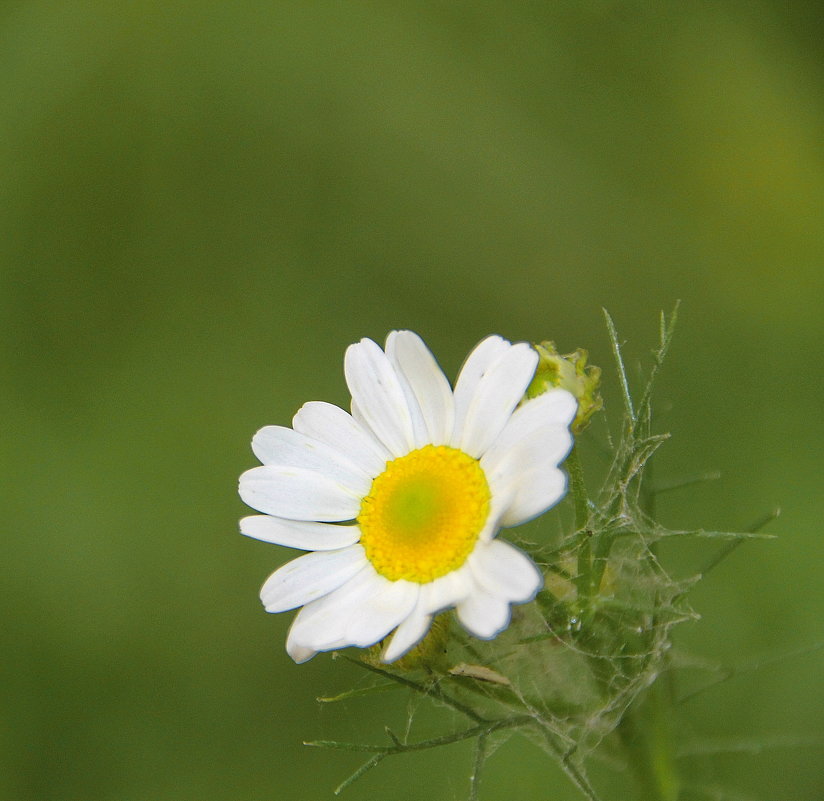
561,406
505,572
483,614
497,393
551,412
278,445
521,469
358,417
299,653
482,357
420,435
379,396
308,536
338,429
534,494
542,450
426,383
321,625
408,634
446,591
502,499
381,613
310,577
297,494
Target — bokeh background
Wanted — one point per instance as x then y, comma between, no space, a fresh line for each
203,203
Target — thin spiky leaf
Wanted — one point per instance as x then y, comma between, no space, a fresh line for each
478,763
431,690
712,746
685,481
666,334
730,672
358,692
619,365
365,768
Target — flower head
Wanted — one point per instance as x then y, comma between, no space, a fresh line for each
399,502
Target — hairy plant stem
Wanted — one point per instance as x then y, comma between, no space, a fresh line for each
646,730
578,488
584,576
646,733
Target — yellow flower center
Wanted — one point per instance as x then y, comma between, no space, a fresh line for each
424,513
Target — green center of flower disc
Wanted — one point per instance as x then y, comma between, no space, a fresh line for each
423,514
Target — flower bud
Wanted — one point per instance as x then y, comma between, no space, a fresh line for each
569,372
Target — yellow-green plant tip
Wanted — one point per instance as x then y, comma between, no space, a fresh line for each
570,372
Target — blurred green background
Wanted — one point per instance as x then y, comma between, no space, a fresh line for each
204,203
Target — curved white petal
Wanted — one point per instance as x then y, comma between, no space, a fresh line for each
561,406
498,392
446,591
299,653
306,535
542,450
338,429
278,445
420,435
297,494
358,417
426,385
526,473
547,416
310,577
534,494
408,634
502,499
378,395
483,614
381,612
505,572
482,357
321,625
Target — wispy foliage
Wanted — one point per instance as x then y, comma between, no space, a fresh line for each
571,665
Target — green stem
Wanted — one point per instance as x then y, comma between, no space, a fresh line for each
584,576
647,734
647,728
433,690
435,742
578,488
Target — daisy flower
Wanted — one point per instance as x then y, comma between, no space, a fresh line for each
399,502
